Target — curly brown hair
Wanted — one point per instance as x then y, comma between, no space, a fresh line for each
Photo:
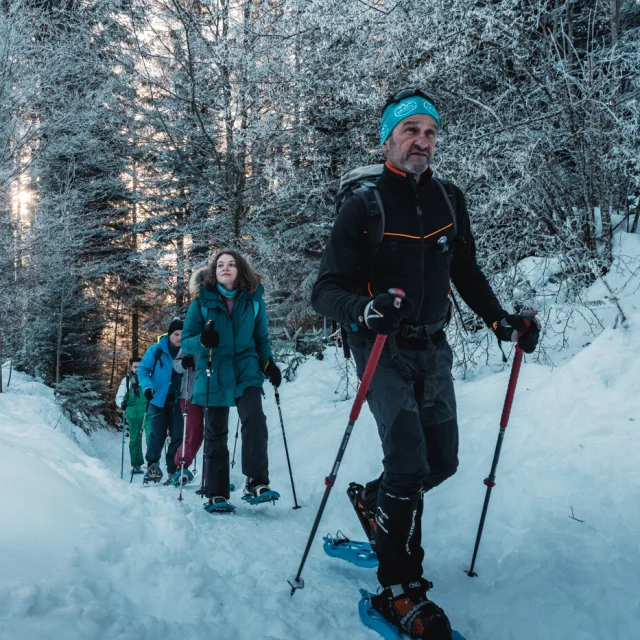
247,277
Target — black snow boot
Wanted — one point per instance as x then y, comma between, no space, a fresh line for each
154,474
255,489
366,518
409,609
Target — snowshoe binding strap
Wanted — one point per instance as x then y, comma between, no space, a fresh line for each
355,493
219,504
259,493
389,629
413,613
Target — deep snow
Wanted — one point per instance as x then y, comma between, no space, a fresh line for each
86,555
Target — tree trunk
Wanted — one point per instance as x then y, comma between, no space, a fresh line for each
59,342
135,322
135,319
115,346
615,21
180,257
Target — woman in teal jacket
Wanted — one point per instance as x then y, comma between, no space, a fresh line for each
226,326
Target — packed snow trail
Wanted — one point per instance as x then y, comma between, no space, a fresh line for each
86,555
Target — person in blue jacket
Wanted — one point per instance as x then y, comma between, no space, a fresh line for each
161,386
226,326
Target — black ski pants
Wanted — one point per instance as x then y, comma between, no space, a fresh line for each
255,460
419,436
163,420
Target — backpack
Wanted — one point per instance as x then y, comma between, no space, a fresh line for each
363,182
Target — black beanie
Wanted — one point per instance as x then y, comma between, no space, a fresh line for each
176,325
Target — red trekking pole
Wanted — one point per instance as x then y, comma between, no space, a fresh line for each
490,482
297,582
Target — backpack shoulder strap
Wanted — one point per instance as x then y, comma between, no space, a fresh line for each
158,355
449,195
370,196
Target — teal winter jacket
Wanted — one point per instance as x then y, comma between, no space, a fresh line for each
244,349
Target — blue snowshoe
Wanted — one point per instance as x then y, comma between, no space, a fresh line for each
219,504
136,471
359,553
185,476
371,616
255,493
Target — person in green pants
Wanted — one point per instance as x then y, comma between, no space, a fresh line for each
131,399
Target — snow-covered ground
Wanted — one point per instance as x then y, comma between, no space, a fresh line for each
85,555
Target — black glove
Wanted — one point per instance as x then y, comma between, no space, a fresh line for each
523,328
209,338
382,316
148,393
273,373
188,362
123,404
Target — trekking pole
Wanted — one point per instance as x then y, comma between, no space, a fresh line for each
124,419
235,444
144,421
286,450
490,482
184,432
206,422
297,582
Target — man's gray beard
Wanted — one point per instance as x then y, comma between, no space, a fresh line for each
417,168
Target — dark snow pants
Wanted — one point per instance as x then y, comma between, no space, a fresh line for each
419,443
255,461
168,419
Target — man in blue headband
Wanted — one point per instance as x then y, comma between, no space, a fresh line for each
421,242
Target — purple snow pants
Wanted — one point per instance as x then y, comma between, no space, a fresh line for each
195,431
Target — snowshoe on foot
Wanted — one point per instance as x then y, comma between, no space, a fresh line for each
136,471
257,493
366,518
389,631
359,553
185,477
154,474
407,607
219,504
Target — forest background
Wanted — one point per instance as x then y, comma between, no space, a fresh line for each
139,136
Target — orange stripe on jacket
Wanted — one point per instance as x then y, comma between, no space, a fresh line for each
433,233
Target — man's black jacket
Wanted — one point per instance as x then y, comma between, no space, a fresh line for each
420,253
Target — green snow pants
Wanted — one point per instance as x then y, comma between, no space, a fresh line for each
135,439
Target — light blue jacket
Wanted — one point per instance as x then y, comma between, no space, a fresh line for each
157,355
